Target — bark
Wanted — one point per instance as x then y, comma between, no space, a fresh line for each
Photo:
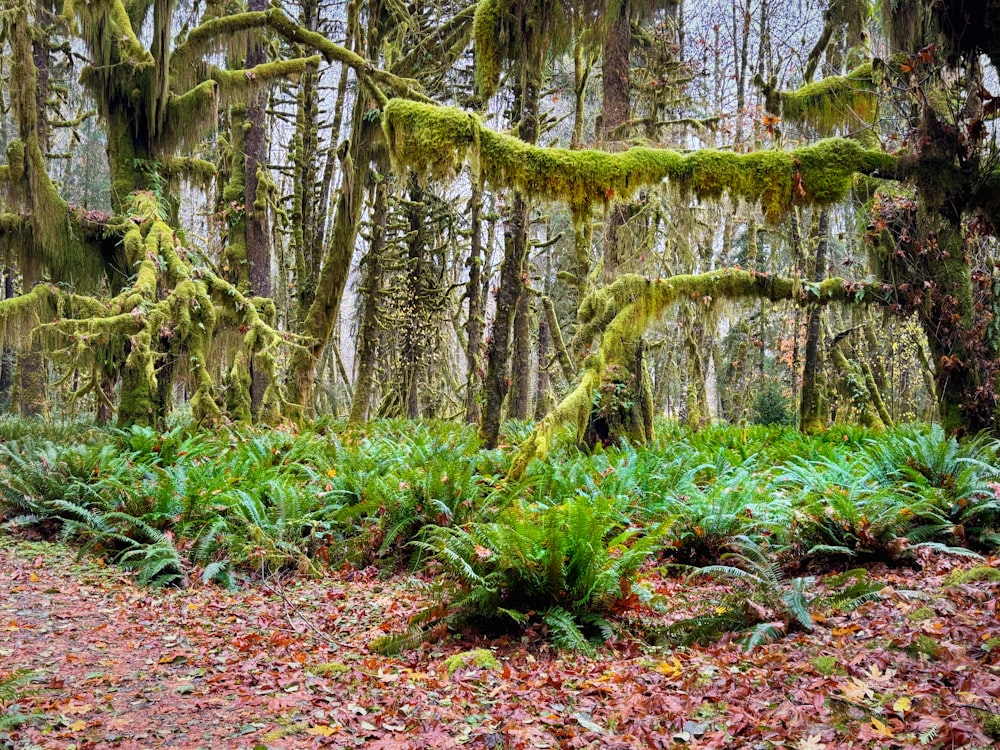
369,332
520,401
813,406
7,361
475,323
542,401
417,317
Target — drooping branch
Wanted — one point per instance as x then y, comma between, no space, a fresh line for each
621,312
437,140
831,103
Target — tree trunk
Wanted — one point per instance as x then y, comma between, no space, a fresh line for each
520,404
813,408
369,332
475,324
258,234
7,360
512,267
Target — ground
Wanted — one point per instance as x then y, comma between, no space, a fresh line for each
285,663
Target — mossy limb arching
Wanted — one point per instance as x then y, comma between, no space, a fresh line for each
436,140
620,313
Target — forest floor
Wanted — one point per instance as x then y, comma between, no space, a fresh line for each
285,664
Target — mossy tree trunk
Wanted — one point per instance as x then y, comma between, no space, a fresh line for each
258,230
7,360
416,318
475,322
520,376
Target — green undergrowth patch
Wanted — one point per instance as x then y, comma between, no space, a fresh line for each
560,549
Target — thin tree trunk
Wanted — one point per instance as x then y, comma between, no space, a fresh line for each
475,324
813,409
369,333
520,405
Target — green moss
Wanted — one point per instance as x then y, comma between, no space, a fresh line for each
924,645
479,658
991,726
327,669
921,614
828,666
978,573
437,140
832,103
486,35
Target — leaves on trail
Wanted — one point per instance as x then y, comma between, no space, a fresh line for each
284,666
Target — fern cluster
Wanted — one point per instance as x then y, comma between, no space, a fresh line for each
559,548
570,563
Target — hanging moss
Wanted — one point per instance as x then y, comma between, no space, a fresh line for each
833,103
436,140
487,38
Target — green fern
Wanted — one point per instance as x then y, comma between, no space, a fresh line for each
13,690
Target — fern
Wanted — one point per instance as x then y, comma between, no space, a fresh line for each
12,691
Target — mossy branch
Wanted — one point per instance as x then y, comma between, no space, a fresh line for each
619,314
437,140
204,38
831,103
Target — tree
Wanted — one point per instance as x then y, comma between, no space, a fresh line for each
167,300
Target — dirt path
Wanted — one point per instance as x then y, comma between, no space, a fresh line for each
121,667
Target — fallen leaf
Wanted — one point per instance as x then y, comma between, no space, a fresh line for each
323,730
902,705
77,726
812,742
881,729
856,690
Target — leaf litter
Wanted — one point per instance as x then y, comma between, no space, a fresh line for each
285,664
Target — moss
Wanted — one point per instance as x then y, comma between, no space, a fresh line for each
327,669
978,573
924,645
436,140
828,666
991,726
237,86
486,35
832,103
199,171
479,658
921,614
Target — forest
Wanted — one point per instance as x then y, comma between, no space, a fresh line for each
504,374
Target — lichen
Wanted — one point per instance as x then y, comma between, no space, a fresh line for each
435,140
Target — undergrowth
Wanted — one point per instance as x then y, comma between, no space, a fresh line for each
559,549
